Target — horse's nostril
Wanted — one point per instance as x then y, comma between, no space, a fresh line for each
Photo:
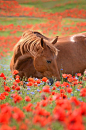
51,81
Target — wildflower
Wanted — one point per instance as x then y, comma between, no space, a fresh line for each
6,127
32,92
46,89
23,126
53,93
69,90
78,74
83,92
62,91
28,107
59,113
17,88
53,88
74,100
17,80
2,96
6,88
31,80
16,98
30,84
57,84
18,114
64,75
43,103
15,72
6,93
2,75
44,79
27,98
38,81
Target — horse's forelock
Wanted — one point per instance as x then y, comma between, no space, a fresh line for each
30,42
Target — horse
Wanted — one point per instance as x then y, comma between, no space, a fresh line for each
71,58
35,56
38,56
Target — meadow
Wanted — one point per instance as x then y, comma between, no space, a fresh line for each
37,104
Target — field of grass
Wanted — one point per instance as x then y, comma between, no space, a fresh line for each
36,104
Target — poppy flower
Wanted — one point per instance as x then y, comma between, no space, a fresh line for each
46,89
6,88
83,92
6,127
30,83
15,72
28,107
44,79
27,98
2,75
57,84
17,88
17,80
69,90
18,114
59,114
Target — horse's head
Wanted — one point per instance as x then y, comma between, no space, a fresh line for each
45,59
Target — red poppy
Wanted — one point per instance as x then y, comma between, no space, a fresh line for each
2,75
18,114
74,100
46,89
58,84
17,80
2,96
16,98
27,98
28,107
43,103
53,88
59,114
6,127
30,84
17,88
44,79
69,90
31,80
15,72
64,75
83,92
6,88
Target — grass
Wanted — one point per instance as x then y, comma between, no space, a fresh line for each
51,5
20,21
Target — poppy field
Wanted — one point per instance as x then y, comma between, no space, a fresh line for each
37,104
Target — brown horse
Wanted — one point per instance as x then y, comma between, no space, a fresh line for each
70,59
38,56
72,53
35,56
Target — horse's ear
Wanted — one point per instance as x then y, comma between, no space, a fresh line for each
43,44
55,40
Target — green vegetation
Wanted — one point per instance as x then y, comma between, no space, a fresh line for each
20,20
57,6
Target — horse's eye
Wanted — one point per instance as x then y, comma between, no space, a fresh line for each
48,61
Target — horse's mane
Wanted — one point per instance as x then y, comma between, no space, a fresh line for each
30,42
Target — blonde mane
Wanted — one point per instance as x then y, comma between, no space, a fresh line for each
30,42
